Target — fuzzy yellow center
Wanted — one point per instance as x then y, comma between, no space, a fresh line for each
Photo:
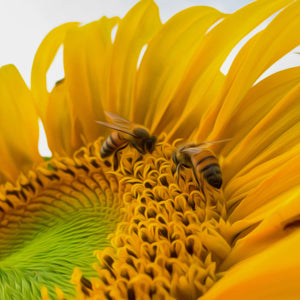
52,222
170,242
153,232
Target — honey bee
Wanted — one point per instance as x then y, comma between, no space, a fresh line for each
127,133
202,161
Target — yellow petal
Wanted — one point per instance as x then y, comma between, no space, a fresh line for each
271,275
61,136
276,220
87,79
240,186
115,64
134,31
42,61
285,179
166,60
257,103
280,37
274,134
188,121
215,48
18,125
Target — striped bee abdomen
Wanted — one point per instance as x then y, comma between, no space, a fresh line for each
207,165
112,143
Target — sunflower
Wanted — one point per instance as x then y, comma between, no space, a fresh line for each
136,225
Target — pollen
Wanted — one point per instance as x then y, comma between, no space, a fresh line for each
170,242
139,231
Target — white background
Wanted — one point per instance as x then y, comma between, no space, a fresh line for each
24,23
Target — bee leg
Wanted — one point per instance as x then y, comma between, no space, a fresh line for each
139,150
198,181
115,158
196,177
115,161
177,172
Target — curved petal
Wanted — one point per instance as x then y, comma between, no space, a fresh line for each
280,36
257,103
18,125
278,219
134,31
114,63
189,120
276,133
271,275
166,60
209,57
253,175
286,178
42,61
87,79
58,123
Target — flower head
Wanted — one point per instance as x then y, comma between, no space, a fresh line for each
143,224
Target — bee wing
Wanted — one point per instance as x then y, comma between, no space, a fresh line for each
116,127
214,142
193,149
120,121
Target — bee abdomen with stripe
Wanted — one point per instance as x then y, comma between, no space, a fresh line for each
208,166
112,143
202,161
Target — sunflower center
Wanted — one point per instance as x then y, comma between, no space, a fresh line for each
53,222
171,241
165,230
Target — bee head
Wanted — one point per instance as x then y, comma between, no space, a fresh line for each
149,144
179,157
